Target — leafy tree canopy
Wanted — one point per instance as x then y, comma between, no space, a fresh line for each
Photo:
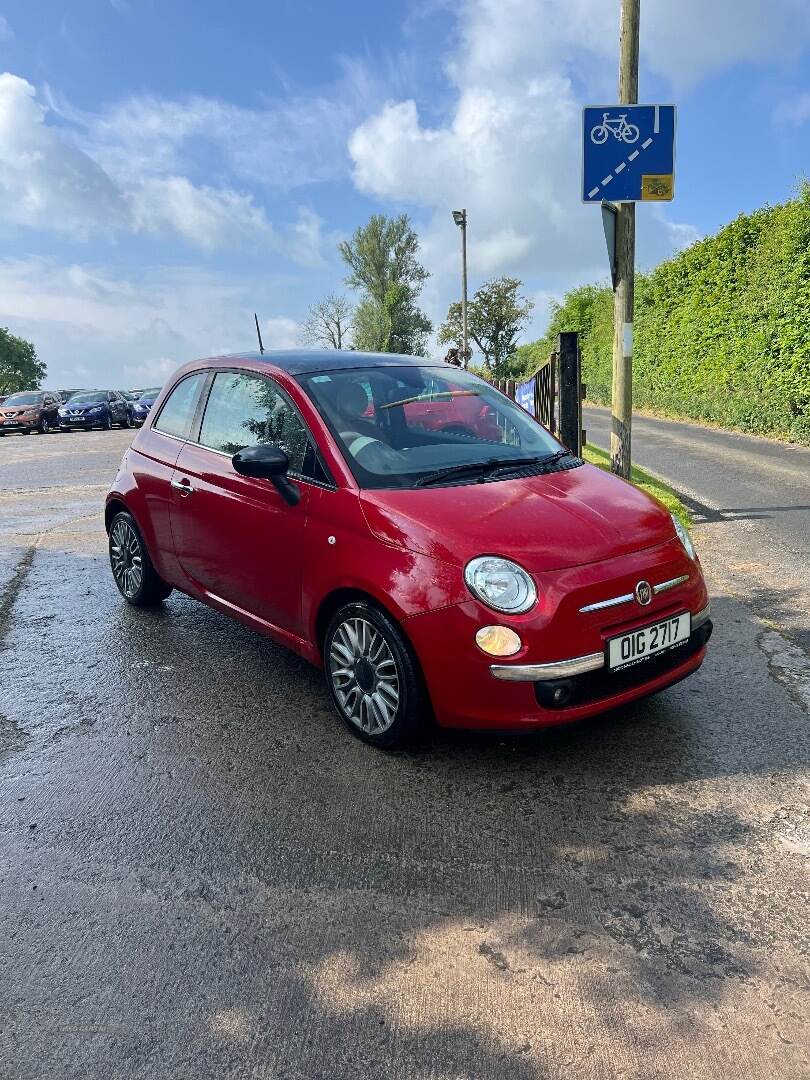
495,317
383,263
19,367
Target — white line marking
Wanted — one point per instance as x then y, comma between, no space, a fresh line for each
656,122
645,144
619,168
633,156
593,192
607,179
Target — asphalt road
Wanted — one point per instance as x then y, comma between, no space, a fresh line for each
202,875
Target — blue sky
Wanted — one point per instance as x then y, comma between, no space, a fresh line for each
167,166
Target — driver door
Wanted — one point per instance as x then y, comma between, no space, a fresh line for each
235,538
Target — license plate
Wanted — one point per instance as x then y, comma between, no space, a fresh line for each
9,423
639,645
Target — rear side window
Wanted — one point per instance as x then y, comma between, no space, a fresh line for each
245,410
178,409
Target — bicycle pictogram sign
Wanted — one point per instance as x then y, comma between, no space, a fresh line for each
628,153
617,126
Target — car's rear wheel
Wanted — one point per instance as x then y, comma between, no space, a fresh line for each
107,425
44,426
137,580
373,676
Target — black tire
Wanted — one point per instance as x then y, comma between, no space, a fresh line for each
108,424
363,689
137,580
44,426
129,422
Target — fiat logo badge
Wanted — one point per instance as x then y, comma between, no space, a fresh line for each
643,593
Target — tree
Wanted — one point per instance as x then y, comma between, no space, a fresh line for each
495,317
19,367
383,265
328,323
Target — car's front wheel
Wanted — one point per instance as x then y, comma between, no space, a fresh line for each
137,580
373,676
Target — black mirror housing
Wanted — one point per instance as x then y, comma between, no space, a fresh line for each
266,462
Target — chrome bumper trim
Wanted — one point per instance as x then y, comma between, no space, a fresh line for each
671,584
701,617
560,669
625,598
614,601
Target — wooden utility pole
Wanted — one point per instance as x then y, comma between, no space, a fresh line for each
622,395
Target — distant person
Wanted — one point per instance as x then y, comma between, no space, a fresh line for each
453,357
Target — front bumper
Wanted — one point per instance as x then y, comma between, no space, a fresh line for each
565,639
19,425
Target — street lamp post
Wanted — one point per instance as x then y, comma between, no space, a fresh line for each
460,218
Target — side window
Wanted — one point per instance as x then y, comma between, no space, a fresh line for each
245,410
178,409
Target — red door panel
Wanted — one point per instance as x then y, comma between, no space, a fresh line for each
236,538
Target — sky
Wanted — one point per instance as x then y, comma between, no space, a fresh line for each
168,167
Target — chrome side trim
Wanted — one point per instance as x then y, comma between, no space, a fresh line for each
560,669
701,617
671,584
625,598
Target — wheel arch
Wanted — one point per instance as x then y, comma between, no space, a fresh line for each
336,599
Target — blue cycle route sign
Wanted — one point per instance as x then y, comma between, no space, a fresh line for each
628,153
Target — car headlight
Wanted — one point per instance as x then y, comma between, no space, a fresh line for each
684,537
500,584
96,408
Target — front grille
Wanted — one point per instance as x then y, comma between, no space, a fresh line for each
596,685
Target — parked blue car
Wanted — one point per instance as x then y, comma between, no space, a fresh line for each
95,408
141,407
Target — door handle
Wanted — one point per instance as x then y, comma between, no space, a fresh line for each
183,487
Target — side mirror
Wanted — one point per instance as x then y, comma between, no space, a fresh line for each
267,462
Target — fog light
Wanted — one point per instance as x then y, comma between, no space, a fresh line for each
498,641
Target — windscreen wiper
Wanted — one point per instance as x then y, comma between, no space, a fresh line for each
480,468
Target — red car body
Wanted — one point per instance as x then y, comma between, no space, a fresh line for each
586,537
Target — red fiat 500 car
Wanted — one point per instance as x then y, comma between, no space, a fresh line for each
486,577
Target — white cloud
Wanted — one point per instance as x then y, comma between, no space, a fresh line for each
280,332
6,33
76,178
91,323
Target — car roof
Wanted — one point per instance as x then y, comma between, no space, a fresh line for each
302,361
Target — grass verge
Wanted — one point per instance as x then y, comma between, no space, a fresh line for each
643,480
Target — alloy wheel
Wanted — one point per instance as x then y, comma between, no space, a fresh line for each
364,676
126,558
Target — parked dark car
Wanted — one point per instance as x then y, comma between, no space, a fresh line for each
140,410
66,395
30,410
95,408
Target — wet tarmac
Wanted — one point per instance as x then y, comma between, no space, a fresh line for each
203,875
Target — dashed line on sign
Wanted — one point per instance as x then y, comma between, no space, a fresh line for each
622,165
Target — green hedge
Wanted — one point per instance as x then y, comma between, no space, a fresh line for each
722,331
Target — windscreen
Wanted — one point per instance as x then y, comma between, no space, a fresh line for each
90,397
397,426
24,399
